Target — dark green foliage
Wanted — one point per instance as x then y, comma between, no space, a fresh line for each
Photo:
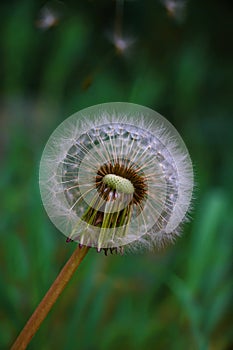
176,299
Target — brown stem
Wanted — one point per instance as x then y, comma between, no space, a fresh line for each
49,299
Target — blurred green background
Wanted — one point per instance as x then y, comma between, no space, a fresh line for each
60,57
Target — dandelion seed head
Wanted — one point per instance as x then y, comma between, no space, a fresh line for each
117,175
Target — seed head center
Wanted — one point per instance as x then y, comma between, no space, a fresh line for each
119,183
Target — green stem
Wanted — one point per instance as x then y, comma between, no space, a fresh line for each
49,299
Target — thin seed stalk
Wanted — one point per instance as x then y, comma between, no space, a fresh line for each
49,299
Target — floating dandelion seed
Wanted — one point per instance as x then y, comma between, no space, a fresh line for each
121,42
115,176
50,14
175,8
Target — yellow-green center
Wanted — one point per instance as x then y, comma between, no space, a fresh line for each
119,183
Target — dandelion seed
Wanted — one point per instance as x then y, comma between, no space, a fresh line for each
175,8
121,42
115,176
50,14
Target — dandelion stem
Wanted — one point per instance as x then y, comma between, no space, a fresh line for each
49,299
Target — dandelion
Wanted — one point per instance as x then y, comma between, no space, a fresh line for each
117,176
114,176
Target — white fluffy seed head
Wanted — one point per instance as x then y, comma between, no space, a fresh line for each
117,174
